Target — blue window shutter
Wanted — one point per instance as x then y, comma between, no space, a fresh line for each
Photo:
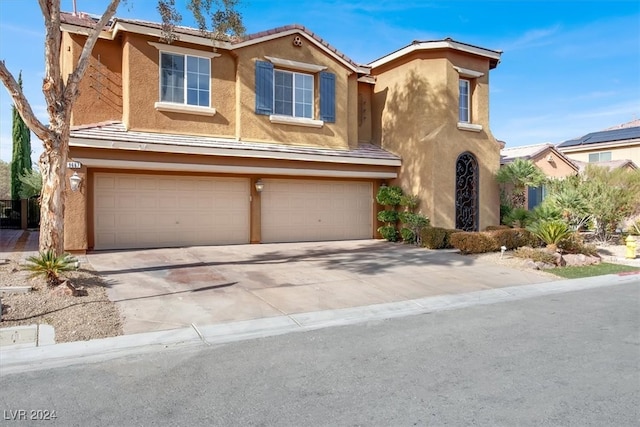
328,97
264,87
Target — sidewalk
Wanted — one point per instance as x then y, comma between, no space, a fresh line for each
18,245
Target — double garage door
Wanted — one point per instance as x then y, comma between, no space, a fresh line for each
150,211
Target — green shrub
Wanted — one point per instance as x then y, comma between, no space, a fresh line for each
388,232
550,232
414,223
407,235
388,216
433,237
410,201
518,218
50,266
546,212
536,255
474,242
389,196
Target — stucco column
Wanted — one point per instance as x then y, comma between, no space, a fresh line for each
255,214
75,214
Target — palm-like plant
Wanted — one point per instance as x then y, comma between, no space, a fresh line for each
50,266
550,232
521,174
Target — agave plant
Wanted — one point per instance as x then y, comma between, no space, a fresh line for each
50,266
550,232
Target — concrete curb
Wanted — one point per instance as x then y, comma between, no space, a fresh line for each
13,360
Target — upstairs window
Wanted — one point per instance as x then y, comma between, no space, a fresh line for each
464,101
604,156
293,94
291,97
185,79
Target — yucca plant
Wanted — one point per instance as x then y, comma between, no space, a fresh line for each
50,266
550,232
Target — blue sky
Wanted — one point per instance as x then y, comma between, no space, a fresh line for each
568,67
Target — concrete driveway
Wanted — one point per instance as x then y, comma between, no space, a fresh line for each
161,289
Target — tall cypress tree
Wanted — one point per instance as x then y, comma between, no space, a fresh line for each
21,160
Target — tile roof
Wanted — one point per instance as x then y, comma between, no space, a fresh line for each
604,136
86,20
526,151
116,132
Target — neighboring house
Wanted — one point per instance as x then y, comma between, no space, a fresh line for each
275,137
547,158
617,143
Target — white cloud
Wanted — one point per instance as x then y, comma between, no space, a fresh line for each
532,38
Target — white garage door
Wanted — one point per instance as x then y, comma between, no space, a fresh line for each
298,211
151,211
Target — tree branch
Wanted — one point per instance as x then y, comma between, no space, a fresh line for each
71,91
21,103
52,86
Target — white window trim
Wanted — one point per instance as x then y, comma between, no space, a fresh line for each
313,81
465,72
299,121
469,117
169,48
469,126
174,107
295,65
184,107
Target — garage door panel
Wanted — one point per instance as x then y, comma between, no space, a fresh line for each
305,210
140,211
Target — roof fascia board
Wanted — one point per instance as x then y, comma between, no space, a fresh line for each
227,152
156,32
442,44
251,170
85,31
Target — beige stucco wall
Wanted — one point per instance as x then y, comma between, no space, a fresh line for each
256,127
364,112
630,151
552,165
101,88
142,86
75,214
415,115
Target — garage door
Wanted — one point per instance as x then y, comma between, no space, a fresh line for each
298,211
150,211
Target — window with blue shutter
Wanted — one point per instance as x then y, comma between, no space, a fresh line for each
264,87
328,97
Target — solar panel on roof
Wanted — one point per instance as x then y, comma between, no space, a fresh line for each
604,136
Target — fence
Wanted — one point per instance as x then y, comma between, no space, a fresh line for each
17,214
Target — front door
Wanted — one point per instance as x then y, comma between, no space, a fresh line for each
467,192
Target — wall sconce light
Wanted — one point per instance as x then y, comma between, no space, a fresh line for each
75,181
259,186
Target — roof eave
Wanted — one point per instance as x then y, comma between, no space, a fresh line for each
492,55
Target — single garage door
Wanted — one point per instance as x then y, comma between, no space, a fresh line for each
299,211
152,211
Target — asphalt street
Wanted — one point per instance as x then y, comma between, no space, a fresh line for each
563,359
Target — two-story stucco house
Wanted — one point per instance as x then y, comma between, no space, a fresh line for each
275,137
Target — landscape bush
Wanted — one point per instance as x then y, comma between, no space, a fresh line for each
513,238
474,242
574,244
497,227
536,255
433,237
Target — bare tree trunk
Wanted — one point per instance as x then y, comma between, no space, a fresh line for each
53,166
